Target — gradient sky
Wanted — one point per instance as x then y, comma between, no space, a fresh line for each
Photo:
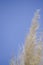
15,20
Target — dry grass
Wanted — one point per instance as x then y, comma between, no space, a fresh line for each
31,54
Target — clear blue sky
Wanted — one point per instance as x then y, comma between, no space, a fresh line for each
15,20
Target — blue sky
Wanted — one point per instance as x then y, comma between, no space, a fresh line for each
15,21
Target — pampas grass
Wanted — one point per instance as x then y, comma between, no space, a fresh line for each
31,53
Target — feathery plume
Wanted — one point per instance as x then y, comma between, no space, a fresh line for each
29,57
